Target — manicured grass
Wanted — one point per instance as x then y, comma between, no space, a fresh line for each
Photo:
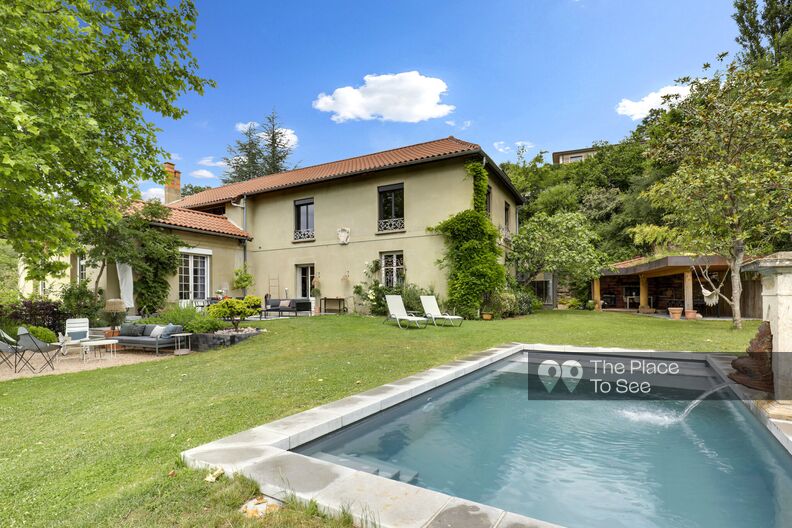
95,448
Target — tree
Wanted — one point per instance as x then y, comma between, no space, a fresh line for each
561,243
730,192
261,151
233,310
9,274
761,33
189,188
152,252
78,79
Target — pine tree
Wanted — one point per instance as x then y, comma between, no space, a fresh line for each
262,150
762,30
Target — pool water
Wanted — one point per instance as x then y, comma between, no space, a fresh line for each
578,463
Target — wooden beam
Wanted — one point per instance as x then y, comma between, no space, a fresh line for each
643,292
688,290
595,294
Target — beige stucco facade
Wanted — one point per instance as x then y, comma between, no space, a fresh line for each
432,193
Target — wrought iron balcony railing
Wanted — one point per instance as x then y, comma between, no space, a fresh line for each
303,234
391,224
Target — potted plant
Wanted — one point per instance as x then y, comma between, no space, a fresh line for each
115,311
675,312
691,314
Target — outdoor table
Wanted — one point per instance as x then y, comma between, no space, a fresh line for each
340,303
107,344
182,339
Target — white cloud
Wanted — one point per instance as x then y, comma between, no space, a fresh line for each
154,193
208,161
450,122
175,157
242,127
407,97
526,144
637,110
465,125
202,174
501,146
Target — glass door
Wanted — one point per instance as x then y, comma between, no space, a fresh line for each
305,276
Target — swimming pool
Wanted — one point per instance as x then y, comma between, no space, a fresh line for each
497,437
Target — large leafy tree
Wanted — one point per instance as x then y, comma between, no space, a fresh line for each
152,252
730,193
762,28
262,150
561,243
190,188
77,79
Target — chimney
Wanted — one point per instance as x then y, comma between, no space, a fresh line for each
173,183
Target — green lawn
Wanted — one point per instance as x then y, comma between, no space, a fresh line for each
95,448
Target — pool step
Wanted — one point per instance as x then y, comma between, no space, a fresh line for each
370,465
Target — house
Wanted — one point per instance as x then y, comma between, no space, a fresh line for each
649,284
213,248
321,226
572,156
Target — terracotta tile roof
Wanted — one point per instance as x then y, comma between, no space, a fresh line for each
422,152
199,221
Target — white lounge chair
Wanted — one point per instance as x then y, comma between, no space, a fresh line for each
432,311
77,331
399,313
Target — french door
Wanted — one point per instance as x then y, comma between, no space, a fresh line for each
193,277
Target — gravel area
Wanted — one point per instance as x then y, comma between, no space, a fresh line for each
72,363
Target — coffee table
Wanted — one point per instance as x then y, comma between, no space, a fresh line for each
107,344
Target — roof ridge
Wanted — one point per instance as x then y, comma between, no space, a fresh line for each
455,139
188,210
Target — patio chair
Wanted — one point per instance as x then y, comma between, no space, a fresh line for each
397,312
77,331
432,311
9,347
29,343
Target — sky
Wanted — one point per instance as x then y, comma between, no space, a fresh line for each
349,78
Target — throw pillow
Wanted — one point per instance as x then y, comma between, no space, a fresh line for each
285,303
131,330
157,332
169,330
76,336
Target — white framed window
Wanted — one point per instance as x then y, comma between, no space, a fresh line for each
392,266
305,277
82,269
194,277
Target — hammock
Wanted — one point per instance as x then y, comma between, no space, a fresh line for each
710,297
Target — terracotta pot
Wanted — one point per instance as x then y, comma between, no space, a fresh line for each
487,316
690,314
112,333
675,313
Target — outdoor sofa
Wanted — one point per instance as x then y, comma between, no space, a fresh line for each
286,306
139,336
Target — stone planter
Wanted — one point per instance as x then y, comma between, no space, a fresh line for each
204,342
691,315
675,313
487,316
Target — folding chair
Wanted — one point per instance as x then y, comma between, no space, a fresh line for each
9,346
29,343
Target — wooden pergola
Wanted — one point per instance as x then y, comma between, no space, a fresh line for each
645,269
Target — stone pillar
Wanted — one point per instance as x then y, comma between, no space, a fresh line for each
643,293
689,294
595,294
776,271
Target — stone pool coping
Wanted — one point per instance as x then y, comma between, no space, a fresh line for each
263,453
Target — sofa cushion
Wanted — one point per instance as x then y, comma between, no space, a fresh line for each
157,331
171,329
143,341
285,303
78,335
131,330
149,328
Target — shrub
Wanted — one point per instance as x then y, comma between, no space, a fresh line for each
242,279
504,303
43,334
191,319
232,310
80,301
372,293
49,314
253,302
590,304
205,325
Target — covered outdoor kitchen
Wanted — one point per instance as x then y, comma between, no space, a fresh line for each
653,285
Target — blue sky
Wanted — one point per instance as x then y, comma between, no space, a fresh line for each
547,72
